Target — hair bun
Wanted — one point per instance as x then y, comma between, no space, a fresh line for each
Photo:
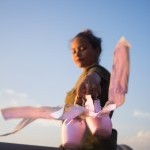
88,32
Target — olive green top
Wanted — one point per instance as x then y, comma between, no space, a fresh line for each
105,79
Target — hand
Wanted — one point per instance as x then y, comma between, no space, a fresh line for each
90,84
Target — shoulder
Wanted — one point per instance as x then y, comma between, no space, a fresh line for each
101,71
105,74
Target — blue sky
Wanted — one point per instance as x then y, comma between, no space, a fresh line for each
36,67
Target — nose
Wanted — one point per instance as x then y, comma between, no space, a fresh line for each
78,53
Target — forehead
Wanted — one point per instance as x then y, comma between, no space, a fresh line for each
79,41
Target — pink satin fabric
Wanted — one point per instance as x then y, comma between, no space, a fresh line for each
99,126
73,133
97,120
29,112
120,73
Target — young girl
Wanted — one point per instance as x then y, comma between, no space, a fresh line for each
94,80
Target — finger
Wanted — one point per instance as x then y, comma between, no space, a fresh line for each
88,88
96,90
78,100
80,94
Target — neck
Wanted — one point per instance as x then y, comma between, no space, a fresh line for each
86,68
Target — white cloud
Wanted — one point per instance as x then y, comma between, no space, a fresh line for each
141,141
141,114
10,97
13,93
9,91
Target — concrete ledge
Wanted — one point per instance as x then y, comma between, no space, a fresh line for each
11,146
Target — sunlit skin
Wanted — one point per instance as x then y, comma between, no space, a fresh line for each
84,55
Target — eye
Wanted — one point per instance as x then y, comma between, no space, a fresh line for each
82,48
73,51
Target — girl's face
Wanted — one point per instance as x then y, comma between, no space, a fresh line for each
83,54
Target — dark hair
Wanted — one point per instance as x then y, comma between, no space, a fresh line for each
93,40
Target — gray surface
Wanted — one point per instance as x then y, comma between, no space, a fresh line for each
10,146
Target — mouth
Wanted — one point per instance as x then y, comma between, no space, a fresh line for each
79,60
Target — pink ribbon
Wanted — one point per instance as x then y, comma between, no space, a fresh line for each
120,73
29,114
117,90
